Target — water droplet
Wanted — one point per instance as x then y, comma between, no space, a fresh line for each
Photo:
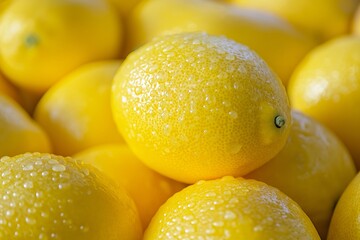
258,228
58,168
167,129
5,173
52,161
63,185
45,173
28,184
218,224
229,215
233,114
28,167
9,213
123,99
44,214
235,148
30,221
84,228
210,194
33,174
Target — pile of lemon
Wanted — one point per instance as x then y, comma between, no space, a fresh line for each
179,119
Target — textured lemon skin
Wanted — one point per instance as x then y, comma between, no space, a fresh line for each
148,188
325,19
195,106
45,196
8,89
19,133
345,220
229,208
326,86
41,41
76,111
277,42
313,168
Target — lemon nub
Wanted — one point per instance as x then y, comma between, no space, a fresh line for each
279,121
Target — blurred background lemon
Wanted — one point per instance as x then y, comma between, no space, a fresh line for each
76,111
148,188
42,40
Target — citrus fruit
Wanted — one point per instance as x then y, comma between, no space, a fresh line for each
42,40
277,42
313,169
18,132
323,18
148,188
230,208
326,86
45,196
345,220
195,106
76,111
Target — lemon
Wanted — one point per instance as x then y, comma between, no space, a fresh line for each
345,221
76,111
45,196
326,86
324,18
276,41
313,169
195,106
8,89
148,188
18,132
42,40
230,208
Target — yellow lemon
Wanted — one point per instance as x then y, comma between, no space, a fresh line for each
8,89
76,111
229,208
313,169
42,40
18,132
345,220
195,106
326,86
45,196
276,41
323,18
148,188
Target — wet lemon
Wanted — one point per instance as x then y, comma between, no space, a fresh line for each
45,196
76,111
229,208
41,41
313,169
323,18
195,106
18,132
326,86
277,42
148,188
345,220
